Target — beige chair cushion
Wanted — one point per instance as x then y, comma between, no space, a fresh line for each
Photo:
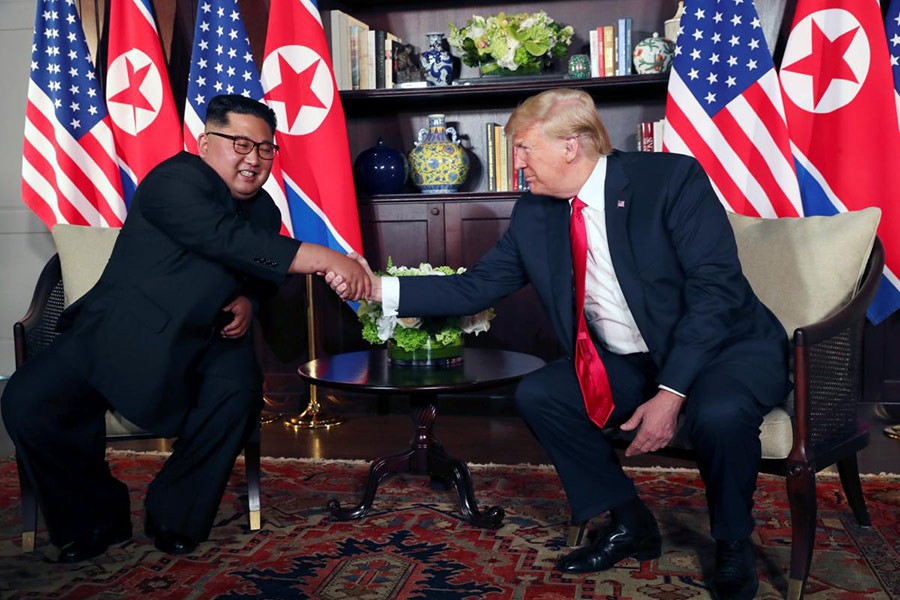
805,269
83,254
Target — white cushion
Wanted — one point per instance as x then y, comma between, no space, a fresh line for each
805,269
83,254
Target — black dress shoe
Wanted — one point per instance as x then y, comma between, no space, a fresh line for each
168,541
735,577
94,542
617,542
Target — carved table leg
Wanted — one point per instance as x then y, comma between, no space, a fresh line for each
426,456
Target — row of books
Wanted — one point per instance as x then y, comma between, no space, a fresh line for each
650,136
502,176
362,57
610,47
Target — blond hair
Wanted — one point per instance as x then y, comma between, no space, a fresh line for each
563,113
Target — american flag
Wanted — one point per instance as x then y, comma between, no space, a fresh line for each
725,108
222,63
145,121
892,29
69,171
841,112
312,132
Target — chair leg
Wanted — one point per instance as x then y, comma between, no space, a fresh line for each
29,510
576,533
848,468
801,491
251,464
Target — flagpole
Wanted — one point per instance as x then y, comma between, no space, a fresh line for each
312,417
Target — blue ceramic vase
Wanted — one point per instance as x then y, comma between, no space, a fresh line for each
381,170
438,164
436,61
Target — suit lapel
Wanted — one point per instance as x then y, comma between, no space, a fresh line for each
619,205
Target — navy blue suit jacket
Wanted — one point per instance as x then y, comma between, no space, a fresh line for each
674,254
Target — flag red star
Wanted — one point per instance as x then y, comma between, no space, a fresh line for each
833,66
295,89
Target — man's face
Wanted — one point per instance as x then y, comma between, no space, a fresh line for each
244,174
544,161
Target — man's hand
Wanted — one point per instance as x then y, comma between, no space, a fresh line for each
243,315
656,420
350,277
338,284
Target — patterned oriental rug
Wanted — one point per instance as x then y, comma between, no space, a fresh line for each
413,545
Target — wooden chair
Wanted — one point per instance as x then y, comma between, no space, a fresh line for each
817,426
34,333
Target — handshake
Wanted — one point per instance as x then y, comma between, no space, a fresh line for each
352,279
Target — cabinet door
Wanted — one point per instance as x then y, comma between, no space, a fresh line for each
409,232
472,228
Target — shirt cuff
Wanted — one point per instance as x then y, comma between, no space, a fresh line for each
676,392
390,296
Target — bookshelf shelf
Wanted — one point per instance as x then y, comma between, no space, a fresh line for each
499,95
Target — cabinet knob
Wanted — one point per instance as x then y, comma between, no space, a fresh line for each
435,211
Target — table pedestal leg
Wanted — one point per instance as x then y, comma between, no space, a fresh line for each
426,456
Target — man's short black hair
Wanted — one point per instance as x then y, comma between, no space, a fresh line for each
220,106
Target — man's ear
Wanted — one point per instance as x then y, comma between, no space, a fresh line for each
202,144
572,147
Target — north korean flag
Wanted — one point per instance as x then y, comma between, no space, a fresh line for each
842,120
138,95
315,156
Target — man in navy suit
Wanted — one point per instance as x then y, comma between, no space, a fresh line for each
163,339
676,324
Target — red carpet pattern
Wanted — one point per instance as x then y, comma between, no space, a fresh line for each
413,545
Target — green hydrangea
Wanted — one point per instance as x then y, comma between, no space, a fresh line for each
413,333
513,41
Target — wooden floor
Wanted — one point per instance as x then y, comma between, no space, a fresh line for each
484,438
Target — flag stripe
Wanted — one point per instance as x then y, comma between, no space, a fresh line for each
712,161
69,172
75,163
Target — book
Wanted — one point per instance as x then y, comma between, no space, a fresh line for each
391,43
595,53
490,156
609,50
371,57
623,44
358,44
337,34
502,160
380,58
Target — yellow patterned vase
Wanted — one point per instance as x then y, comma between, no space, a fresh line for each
438,164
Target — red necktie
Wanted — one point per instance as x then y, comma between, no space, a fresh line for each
589,368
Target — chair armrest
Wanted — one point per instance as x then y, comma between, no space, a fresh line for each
37,329
828,370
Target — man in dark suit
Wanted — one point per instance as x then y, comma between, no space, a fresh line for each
163,339
667,309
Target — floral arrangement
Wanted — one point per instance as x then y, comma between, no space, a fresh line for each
514,42
412,333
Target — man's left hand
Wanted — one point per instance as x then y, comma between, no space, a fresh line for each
655,420
243,314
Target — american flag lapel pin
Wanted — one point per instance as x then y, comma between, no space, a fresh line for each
620,204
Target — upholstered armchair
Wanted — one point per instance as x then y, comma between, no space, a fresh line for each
818,275
82,252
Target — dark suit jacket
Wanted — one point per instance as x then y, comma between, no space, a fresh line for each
674,254
186,249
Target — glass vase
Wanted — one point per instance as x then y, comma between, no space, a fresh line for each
432,354
492,69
